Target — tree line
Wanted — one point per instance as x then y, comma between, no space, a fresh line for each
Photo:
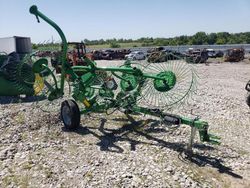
199,38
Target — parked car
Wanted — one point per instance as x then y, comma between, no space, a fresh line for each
109,54
213,54
136,55
163,56
156,49
196,55
219,53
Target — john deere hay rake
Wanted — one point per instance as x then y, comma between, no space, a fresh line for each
130,88
16,76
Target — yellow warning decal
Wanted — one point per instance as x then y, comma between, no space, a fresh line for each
86,103
39,84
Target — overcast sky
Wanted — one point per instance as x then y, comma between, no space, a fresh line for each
96,19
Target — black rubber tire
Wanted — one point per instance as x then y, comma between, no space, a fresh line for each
248,100
71,120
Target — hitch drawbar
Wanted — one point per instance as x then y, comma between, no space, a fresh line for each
201,126
196,123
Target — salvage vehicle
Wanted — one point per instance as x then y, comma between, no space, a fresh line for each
136,55
163,56
214,54
211,53
196,55
235,55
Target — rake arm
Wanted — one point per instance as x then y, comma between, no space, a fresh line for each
201,126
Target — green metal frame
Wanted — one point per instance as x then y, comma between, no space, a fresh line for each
132,80
16,76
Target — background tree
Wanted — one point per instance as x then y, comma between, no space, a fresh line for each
222,38
199,38
211,38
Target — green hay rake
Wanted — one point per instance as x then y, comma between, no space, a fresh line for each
16,76
131,88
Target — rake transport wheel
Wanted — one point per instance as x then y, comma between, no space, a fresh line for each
70,114
248,100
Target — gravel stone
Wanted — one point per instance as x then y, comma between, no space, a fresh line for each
105,151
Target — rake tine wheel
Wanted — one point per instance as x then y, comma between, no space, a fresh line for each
179,75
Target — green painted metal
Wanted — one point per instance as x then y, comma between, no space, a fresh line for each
65,65
100,98
167,84
129,82
9,88
16,77
40,65
106,93
202,126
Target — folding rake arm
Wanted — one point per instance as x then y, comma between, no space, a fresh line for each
34,10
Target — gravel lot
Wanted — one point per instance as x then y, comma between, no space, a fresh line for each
109,151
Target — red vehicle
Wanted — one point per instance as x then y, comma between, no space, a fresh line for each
74,57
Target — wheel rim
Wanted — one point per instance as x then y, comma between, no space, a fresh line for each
66,115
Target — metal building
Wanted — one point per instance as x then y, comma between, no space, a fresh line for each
21,45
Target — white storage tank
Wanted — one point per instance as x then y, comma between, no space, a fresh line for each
21,45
